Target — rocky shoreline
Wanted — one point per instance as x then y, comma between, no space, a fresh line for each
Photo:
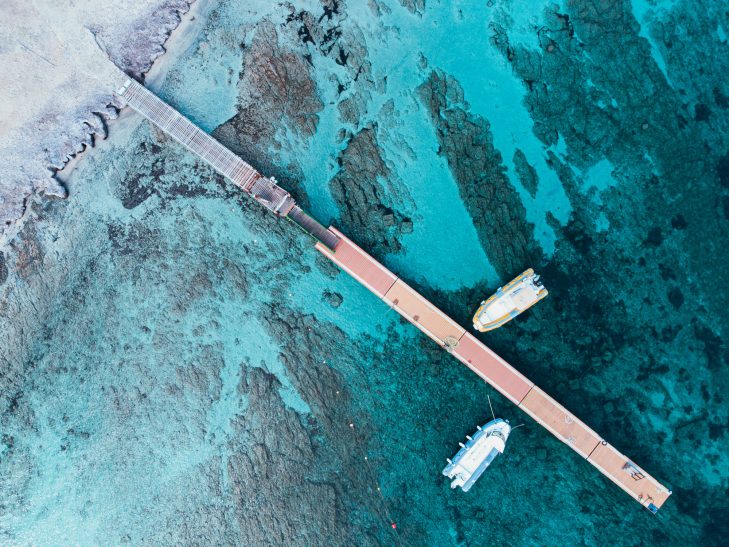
56,107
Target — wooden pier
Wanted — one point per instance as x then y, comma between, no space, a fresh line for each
264,190
408,303
493,369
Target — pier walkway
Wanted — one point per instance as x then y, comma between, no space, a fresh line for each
493,369
408,303
264,190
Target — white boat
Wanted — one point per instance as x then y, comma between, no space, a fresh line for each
517,296
477,454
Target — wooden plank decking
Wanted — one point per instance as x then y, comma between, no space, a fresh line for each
264,190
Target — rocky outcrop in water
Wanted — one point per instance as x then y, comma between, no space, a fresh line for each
272,68
526,173
3,269
267,105
271,71
331,448
162,177
363,200
477,167
414,6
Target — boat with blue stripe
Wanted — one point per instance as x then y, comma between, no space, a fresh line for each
508,301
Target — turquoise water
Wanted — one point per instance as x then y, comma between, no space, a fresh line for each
641,10
186,368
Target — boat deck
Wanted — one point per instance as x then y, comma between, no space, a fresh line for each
493,369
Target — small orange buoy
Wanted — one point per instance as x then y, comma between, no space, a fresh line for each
394,526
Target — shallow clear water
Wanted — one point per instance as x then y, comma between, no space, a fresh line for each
194,367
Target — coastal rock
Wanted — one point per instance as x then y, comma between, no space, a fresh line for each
59,86
325,442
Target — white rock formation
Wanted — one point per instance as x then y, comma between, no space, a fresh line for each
57,82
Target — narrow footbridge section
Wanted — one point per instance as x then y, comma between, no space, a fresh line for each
408,303
264,190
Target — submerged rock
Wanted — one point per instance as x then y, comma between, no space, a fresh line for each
271,69
362,198
494,204
526,173
3,269
333,298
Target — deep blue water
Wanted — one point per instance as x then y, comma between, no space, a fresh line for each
193,366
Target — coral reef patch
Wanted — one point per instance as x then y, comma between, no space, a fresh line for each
490,198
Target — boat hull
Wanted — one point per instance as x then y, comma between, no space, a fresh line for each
477,454
514,298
